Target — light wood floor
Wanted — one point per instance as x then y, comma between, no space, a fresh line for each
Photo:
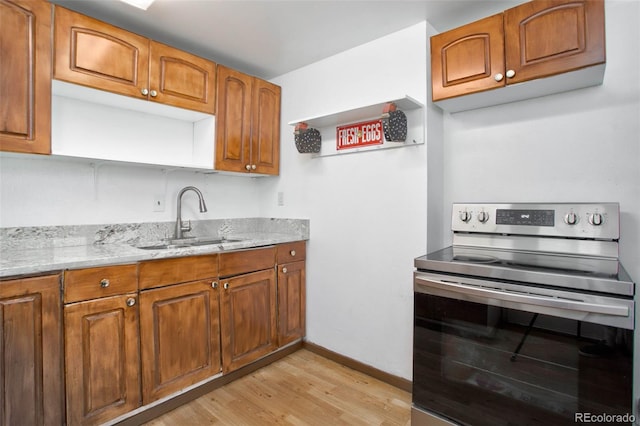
300,389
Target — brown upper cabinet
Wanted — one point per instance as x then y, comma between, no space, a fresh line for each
92,53
247,124
25,76
538,39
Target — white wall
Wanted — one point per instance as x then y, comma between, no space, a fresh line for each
367,210
39,191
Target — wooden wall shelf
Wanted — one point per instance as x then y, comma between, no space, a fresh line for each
327,124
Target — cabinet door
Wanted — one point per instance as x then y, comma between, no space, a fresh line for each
25,76
31,352
179,337
291,302
102,359
248,318
466,59
181,79
265,128
233,121
548,37
95,54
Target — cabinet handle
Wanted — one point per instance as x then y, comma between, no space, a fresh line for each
104,283
145,92
131,301
248,167
292,252
214,284
153,93
498,77
511,73
226,286
284,270
253,167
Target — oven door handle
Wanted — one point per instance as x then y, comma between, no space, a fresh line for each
515,297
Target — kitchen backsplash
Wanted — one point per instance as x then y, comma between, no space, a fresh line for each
141,233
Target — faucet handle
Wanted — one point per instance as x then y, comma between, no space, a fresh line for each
187,227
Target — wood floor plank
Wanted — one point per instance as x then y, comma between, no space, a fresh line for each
300,389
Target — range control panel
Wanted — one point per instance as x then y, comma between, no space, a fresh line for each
570,220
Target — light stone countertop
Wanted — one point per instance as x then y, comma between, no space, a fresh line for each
30,251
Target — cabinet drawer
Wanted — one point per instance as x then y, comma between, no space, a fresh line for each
291,252
93,283
240,262
158,273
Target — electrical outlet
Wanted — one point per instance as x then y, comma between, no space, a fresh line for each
281,198
158,203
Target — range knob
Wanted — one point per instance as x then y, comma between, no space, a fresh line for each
570,218
465,216
595,219
483,216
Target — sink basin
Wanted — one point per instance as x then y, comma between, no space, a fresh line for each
188,243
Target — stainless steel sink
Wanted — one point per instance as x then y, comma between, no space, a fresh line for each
188,242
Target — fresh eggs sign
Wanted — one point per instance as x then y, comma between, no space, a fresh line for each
358,135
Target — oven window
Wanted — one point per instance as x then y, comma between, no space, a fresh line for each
485,365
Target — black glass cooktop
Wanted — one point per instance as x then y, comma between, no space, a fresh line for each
603,275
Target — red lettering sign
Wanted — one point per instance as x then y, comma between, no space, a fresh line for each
358,135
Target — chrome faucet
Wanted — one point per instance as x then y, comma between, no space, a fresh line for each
180,227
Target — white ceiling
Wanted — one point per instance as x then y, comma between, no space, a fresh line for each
268,38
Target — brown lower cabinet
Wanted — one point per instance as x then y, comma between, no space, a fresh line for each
101,341
136,333
291,302
248,318
291,292
179,337
31,351
102,359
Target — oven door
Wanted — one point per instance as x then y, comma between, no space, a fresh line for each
494,353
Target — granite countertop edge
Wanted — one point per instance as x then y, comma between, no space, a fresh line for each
35,261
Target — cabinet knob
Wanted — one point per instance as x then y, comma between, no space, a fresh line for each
292,252
226,286
145,92
153,93
131,301
253,167
104,283
570,218
595,219
284,270
248,167
498,77
511,73
214,284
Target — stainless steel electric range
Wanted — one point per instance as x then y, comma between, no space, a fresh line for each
527,319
